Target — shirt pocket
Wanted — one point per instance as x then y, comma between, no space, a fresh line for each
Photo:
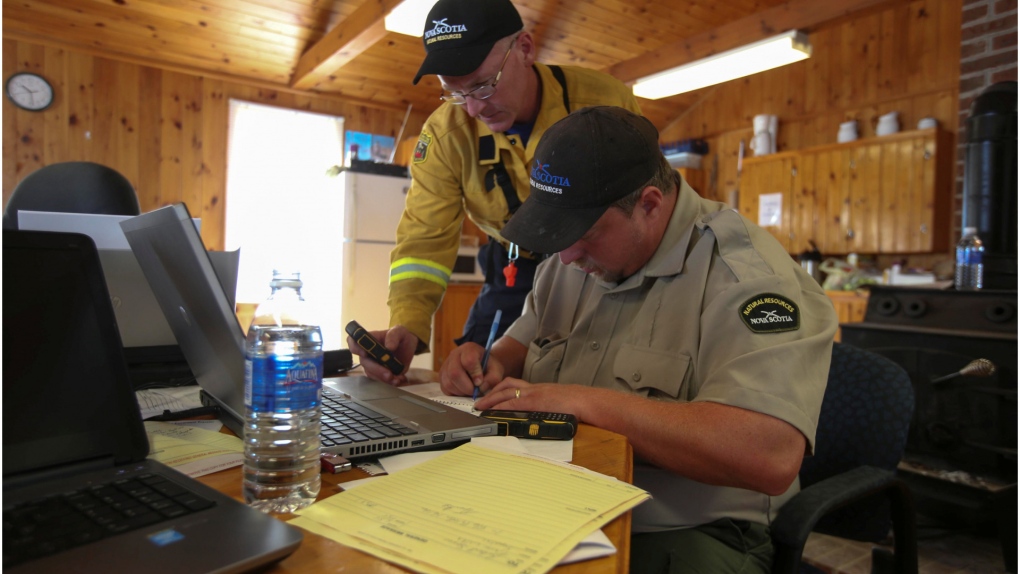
661,373
542,364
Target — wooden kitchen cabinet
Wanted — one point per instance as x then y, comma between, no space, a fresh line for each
448,323
889,194
773,179
850,307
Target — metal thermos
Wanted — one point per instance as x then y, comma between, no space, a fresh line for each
811,261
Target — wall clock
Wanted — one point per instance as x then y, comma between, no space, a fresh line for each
29,91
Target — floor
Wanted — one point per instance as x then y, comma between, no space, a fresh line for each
940,551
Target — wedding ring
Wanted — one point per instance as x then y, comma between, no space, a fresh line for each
517,393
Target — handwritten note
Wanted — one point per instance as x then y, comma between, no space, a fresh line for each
193,451
433,392
473,510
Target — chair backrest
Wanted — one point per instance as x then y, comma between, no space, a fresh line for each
865,419
72,187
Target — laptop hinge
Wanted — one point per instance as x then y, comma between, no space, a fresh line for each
54,472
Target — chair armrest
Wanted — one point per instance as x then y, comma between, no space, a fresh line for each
800,515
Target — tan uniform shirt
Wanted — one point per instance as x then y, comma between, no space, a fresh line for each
454,156
720,313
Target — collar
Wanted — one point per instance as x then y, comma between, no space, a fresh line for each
550,110
690,216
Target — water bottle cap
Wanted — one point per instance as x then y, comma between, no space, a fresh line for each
286,279
969,231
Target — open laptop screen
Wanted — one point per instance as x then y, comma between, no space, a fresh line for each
64,376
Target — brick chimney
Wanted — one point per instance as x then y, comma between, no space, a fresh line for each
988,54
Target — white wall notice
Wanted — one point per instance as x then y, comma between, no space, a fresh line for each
770,209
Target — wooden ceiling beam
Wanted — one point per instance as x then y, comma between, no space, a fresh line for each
352,36
795,14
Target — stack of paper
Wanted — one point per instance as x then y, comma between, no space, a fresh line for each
191,450
473,510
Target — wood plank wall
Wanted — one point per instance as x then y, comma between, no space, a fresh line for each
165,131
904,58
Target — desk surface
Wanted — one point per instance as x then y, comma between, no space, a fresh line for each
599,450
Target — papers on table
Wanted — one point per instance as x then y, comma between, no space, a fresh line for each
192,450
473,509
595,545
153,402
434,392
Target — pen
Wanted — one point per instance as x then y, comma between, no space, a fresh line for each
488,346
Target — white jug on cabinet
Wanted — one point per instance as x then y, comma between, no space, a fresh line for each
847,131
888,124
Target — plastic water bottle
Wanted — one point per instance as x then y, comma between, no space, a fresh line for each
970,268
282,396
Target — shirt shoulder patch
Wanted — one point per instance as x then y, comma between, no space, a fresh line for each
421,149
770,313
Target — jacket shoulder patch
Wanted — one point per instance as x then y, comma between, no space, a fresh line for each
421,149
770,313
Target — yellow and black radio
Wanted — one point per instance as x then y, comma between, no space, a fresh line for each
533,424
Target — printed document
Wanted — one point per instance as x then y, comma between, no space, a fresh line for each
473,510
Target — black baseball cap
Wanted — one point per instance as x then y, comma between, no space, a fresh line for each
459,34
584,163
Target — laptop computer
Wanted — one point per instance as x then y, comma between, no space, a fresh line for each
74,446
139,318
361,417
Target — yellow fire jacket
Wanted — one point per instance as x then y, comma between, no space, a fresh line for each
453,174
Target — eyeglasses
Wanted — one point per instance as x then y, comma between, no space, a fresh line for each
484,91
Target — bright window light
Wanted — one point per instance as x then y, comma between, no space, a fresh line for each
282,210
409,17
744,61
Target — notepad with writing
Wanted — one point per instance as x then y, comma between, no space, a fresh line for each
473,510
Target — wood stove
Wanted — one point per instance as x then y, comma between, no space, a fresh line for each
961,454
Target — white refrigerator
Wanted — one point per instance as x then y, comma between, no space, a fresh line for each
372,205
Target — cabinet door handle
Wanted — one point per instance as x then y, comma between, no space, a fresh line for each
924,228
849,233
927,155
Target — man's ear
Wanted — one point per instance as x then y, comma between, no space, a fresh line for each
527,45
651,201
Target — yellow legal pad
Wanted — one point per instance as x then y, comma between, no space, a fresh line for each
473,510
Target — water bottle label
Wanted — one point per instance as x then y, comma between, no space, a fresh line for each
275,384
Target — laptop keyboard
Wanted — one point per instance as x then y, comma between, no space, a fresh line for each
346,422
57,523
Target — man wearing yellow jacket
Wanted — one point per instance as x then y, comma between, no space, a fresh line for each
474,158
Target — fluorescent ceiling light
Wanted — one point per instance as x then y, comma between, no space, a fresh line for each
409,17
750,59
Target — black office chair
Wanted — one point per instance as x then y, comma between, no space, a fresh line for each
72,187
849,487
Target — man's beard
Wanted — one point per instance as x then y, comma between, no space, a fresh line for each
601,273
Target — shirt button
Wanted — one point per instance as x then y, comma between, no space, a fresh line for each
613,295
636,377
513,142
594,345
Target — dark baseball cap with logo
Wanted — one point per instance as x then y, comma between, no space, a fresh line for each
584,163
459,34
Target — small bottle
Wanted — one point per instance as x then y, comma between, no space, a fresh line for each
970,268
282,397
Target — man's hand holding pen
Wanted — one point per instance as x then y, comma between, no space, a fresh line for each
462,371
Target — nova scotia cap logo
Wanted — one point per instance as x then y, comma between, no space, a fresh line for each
545,181
442,31
770,313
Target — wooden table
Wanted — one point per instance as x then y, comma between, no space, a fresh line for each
599,450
